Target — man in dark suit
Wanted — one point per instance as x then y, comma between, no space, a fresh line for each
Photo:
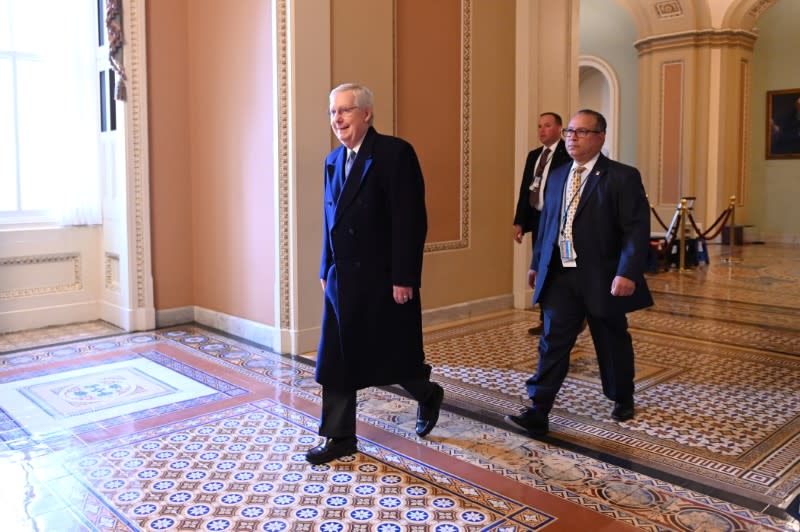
373,237
549,156
588,262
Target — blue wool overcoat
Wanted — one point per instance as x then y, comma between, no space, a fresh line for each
373,238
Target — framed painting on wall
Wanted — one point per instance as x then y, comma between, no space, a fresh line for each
783,124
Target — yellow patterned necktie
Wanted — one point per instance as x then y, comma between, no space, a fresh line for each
574,198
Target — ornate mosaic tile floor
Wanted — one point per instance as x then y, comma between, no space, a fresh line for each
13,341
227,454
187,429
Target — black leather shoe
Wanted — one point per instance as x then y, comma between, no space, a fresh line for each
531,420
623,410
331,449
533,331
428,412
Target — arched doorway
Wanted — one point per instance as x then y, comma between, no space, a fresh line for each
598,88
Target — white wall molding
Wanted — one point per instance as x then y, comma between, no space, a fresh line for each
174,316
252,331
468,309
45,316
40,272
306,340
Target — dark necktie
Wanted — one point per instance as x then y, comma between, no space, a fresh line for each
339,183
536,192
351,156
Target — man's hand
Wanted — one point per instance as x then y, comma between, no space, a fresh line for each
324,283
518,234
402,294
532,278
622,286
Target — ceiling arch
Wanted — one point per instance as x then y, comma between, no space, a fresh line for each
659,17
664,17
743,14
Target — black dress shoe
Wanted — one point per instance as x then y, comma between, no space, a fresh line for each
428,412
533,331
623,410
532,421
331,449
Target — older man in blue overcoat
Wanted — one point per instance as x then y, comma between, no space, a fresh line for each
373,238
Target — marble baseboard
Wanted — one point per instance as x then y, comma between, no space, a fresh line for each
469,309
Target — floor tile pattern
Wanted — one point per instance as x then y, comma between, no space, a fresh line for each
764,275
718,413
247,471
716,385
735,324
56,334
93,489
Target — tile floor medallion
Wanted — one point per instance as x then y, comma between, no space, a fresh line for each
228,453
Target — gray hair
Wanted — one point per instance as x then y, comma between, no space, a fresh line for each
363,96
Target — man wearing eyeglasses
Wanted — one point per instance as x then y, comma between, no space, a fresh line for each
550,155
373,237
588,262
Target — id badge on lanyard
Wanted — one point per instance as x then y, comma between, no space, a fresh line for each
567,251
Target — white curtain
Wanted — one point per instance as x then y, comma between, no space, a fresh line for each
58,109
77,181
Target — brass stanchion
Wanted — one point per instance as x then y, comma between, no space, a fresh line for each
682,229
732,233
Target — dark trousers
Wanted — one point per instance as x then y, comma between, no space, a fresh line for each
338,418
564,311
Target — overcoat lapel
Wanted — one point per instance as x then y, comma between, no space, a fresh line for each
358,174
335,173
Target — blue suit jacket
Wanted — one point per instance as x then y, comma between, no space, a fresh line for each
525,215
611,234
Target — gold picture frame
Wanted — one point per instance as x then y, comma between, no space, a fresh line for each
783,124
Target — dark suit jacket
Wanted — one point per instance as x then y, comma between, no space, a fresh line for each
525,215
373,238
611,233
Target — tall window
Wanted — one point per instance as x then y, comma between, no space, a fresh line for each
49,112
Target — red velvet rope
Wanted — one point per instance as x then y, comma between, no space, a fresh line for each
707,235
658,219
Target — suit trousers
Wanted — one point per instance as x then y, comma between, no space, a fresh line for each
564,311
338,418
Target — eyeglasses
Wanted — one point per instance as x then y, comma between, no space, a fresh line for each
580,133
344,111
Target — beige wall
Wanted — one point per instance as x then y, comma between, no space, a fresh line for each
429,103
170,179
427,106
211,127
775,183
484,268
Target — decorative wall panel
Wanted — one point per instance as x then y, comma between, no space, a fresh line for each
435,115
670,150
36,275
